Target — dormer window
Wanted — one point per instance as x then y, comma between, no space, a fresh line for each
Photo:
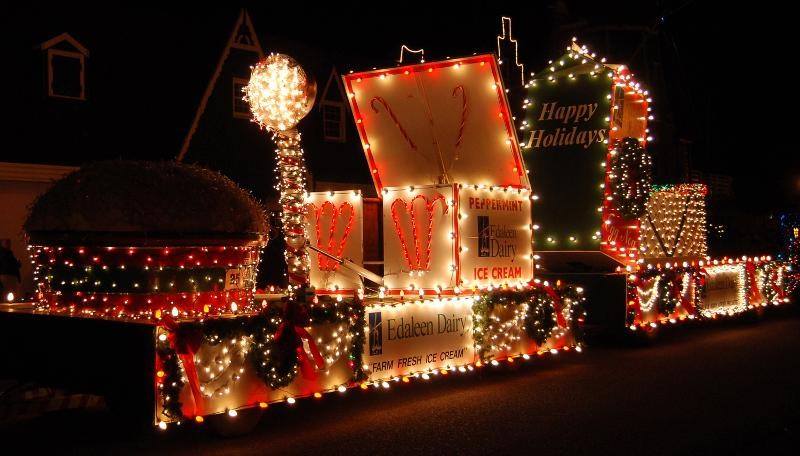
241,109
333,110
333,121
65,67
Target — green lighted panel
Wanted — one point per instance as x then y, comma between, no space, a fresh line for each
564,135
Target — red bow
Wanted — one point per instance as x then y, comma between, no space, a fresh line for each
295,317
678,292
755,296
562,322
779,294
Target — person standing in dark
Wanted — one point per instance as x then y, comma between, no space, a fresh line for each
9,271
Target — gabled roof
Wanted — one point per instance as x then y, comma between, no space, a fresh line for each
577,60
64,37
242,37
337,95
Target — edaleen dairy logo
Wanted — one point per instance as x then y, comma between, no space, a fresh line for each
375,334
484,236
495,241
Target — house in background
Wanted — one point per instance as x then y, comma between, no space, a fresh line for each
94,92
20,184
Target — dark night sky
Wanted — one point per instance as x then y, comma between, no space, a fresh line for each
698,59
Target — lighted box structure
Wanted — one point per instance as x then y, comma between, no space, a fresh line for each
641,249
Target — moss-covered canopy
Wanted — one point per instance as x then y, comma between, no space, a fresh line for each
146,197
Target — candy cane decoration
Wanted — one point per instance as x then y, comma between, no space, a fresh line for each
326,264
464,112
417,264
394,119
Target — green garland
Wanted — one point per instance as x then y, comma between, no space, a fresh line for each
630,178
172,381
667,303
94,279
357,341
573,299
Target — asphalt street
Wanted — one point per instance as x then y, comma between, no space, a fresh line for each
721,388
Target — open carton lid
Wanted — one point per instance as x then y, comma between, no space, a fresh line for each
435,123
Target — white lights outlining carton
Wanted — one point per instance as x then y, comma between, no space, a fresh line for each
453,237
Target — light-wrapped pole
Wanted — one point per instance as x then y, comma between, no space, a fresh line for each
280,94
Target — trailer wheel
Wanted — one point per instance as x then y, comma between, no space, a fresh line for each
243,423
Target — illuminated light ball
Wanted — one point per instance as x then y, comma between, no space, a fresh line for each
280,93
10,297
232,413
199,419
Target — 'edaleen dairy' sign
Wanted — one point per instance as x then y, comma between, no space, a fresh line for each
495,236
417,337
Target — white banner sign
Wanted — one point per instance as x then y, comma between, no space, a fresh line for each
415,337
724,289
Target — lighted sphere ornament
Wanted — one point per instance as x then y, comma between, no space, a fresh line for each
280,94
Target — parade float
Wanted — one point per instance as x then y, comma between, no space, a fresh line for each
600,221
146,271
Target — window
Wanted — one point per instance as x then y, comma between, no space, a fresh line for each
65,74
65,67
241,109
333,121
619,107
332,104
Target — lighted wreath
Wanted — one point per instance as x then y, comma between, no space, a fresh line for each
630,177
278,355
541,320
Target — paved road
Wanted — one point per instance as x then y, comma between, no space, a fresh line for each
730,387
